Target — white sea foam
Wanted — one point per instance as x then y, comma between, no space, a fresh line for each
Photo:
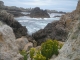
34,24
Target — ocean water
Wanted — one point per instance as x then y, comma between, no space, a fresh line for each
35,24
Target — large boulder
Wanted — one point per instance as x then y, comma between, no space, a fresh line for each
8,46
38,13
18,29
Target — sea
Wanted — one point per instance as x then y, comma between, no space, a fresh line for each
35,24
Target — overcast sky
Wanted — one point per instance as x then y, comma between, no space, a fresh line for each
59,5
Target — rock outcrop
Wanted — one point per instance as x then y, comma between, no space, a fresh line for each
28,46
58,29
54,30
71,49
38,13
8,46
18,29
24,44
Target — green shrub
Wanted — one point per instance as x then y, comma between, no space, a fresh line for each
32,51
24,54
49,48
46,51
39,56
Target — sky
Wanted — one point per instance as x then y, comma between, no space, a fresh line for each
59,5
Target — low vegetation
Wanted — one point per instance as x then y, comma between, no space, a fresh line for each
39,56
24,54
32,51
48,48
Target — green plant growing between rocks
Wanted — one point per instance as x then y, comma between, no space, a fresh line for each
46,50
49,48
32,51
39,56
24,54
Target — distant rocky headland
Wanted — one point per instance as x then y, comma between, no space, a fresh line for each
16,11
38,13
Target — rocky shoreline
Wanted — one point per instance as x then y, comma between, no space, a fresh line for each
14,37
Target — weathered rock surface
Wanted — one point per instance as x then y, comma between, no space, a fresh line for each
8,46
22,42
54,30
38,13
28,46
71,49
18,29
58,29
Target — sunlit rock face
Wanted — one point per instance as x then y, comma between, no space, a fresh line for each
8,46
